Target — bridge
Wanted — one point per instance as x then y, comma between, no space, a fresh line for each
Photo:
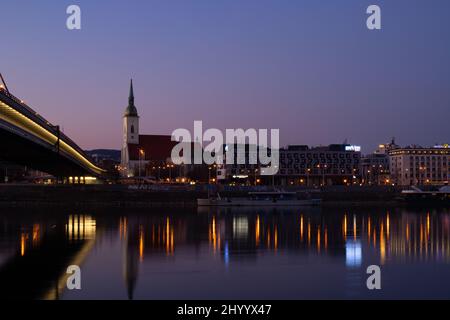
29,139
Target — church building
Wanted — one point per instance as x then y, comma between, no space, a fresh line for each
138,151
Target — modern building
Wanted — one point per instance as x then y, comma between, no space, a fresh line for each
416,165
300,165
336,164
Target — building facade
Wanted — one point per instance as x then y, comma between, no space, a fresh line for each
247,172
375,167
301,166
337,164
420,166
139,152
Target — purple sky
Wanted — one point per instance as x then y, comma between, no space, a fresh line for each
310,68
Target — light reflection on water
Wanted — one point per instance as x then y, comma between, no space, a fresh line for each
226,253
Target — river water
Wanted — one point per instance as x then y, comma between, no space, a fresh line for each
225,253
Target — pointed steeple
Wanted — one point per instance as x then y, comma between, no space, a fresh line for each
131,110
131,96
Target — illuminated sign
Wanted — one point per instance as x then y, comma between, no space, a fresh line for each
353,148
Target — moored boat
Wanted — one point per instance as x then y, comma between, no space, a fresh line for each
417,196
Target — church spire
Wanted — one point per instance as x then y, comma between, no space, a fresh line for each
131,110
131,96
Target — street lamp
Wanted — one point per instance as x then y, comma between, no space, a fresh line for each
273,178
308,171
170,171
421,172
318,167
209,175
141,155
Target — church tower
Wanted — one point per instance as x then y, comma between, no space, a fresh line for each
130,121
130,131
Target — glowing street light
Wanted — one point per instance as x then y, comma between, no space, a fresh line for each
141,156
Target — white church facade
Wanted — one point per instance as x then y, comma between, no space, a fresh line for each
139,151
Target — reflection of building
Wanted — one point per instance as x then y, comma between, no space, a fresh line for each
241,235
420,166
336,164
353,253
81,227
131,267
220,235
154,236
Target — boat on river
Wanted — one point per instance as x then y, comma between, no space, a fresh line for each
418,196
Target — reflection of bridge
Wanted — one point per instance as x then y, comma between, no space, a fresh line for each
36,269
28,139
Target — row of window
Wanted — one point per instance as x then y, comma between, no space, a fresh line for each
345,172
333,166
317,162
334,155
424,176
411,158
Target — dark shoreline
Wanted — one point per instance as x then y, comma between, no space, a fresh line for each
190,205
121,196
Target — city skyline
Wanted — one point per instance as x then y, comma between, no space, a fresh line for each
221,158
240,66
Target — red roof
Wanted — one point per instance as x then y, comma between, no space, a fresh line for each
155,147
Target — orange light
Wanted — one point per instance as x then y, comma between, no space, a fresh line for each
257,232
23,239
141,244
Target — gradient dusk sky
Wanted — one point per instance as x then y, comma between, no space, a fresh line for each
310,68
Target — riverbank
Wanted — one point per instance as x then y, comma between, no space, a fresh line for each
122,196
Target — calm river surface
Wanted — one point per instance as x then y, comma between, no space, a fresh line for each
225,253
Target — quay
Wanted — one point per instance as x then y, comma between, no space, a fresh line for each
125,196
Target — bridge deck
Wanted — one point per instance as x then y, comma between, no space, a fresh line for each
25,128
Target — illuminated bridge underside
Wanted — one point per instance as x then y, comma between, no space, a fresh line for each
28,139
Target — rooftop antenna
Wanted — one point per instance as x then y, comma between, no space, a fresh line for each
4,83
